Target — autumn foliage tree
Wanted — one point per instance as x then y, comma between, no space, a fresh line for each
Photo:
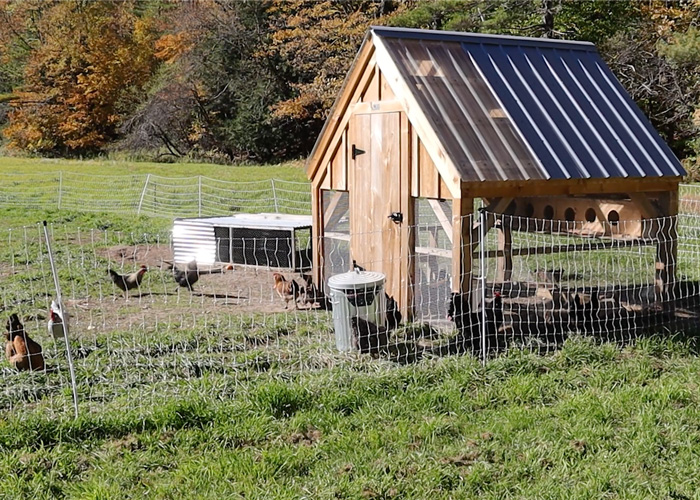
89,59
254,80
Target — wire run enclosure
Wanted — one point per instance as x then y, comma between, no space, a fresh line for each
266,240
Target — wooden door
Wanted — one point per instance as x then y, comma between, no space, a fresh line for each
375,193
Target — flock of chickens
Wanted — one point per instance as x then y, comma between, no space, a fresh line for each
185,278
24,353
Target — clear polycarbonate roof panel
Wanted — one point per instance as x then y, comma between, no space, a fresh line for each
510,108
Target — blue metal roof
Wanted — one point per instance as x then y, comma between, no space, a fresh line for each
514,108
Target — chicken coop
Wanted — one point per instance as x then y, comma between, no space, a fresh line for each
267,240
429,125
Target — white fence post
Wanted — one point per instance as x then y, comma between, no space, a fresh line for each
59,302
482,280
274,195
143,193
60,187
199,189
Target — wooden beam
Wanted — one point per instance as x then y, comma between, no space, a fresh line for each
462,244
408,234
370,107
317,237
584,247
441,217
504,265
554,187
667,250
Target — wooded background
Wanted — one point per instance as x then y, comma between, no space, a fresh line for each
233,81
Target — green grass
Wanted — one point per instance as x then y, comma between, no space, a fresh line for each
290,171
224,404
590,421
30,190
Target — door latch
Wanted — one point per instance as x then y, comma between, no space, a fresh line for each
357,151
396,217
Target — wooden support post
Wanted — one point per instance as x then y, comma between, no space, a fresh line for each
317,236
408,234
667,250
462,244
504,265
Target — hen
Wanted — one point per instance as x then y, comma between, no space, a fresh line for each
287,290
368,337
469,323
190,275
126,282
20,350
57,319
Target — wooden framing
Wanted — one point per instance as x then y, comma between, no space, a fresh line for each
667,249
410,148
550,187
408,235
425,129
462,244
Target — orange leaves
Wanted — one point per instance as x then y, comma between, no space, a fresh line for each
170,47
318,40
78,77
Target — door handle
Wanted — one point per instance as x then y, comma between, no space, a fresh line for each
357,151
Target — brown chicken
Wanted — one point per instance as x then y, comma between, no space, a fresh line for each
288,290
126,282
20,350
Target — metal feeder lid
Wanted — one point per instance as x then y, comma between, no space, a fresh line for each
356,279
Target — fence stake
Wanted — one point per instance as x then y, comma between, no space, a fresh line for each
143,193
482,280
199,188
274,195
60,187
59,301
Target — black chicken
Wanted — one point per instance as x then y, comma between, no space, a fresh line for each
190,275
469,324
368,337
393,314
583,316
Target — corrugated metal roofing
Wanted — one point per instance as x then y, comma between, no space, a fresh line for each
513,108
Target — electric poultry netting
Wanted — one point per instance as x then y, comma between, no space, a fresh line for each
133,347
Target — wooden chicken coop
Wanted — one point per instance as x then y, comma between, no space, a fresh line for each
429,121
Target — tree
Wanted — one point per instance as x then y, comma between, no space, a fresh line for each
90,57
316,43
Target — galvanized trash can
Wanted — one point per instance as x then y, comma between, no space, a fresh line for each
356,294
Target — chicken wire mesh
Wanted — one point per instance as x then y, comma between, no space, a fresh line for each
532,289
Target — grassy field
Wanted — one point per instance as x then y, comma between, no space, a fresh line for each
194,396
587,422
291,171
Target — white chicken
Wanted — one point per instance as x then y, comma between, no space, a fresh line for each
57,319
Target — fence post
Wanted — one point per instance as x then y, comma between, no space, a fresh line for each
482,280
143,193
199,188
274,195
59,302
60,187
